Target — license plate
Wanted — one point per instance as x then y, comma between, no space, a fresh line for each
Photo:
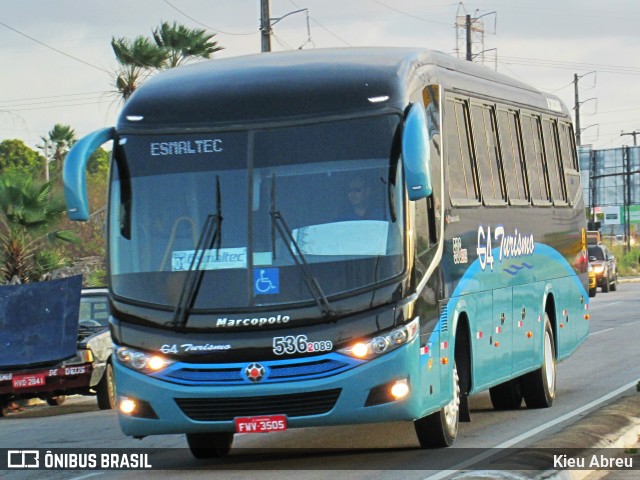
26,381
269,423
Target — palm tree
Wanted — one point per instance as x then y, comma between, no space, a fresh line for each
138,58
61,138
27,210
171,46
183,44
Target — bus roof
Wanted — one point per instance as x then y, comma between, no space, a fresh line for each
289,86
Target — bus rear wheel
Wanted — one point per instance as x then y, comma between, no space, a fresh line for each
539,386
441,428
210,445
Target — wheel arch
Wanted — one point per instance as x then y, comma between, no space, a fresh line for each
463,360
550,310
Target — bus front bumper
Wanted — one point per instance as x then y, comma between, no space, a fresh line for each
358,395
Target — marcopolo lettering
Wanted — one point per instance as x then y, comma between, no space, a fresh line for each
251,322
186,147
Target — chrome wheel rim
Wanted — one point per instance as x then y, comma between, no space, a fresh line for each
549,366
452,409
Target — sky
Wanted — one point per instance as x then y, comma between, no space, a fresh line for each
57,65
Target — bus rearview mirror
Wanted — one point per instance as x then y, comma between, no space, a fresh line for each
75,172
416,154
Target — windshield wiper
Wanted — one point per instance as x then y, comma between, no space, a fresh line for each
210,237
277,221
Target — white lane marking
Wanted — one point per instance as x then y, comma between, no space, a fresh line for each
461,466
601,331
603,305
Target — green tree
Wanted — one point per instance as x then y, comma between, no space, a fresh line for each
99,163
17,157
28,211
183,44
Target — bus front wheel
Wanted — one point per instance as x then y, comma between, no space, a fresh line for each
441,428
210,445
539,386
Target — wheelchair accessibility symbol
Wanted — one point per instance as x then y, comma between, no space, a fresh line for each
266,281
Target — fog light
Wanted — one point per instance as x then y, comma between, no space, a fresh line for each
400,389
127,406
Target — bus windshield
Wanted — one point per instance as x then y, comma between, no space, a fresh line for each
318,202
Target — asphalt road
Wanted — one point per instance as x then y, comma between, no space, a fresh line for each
605,368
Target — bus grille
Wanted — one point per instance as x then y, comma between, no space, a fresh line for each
277,371
291,405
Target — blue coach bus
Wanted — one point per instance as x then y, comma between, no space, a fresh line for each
334,237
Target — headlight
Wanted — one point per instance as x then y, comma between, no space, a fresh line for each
82,356
141,361
598,268
382,344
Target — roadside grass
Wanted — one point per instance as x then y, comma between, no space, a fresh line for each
628,263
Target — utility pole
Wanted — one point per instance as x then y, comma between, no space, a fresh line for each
265,26
468,29
634,134
46,161
577,109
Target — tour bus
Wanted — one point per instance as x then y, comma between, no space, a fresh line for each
333,237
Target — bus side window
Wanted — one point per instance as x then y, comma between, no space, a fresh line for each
463,184
556,180
487,159
569,161
512,157
534,160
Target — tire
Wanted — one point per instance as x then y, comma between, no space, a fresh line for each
441,428
539,386
593,291
210,445
106,389
614,285
606,285
507,395
56,401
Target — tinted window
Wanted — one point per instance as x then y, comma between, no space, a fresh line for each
596,253
512,156
94,308
569,161
485,139
533,158
462,183
556,180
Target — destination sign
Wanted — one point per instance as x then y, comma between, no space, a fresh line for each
186,147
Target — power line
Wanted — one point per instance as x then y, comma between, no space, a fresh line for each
53,106
322,26
53,48
51,96
573,65
217,30
415,17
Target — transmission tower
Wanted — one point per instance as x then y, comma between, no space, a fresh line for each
470,33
